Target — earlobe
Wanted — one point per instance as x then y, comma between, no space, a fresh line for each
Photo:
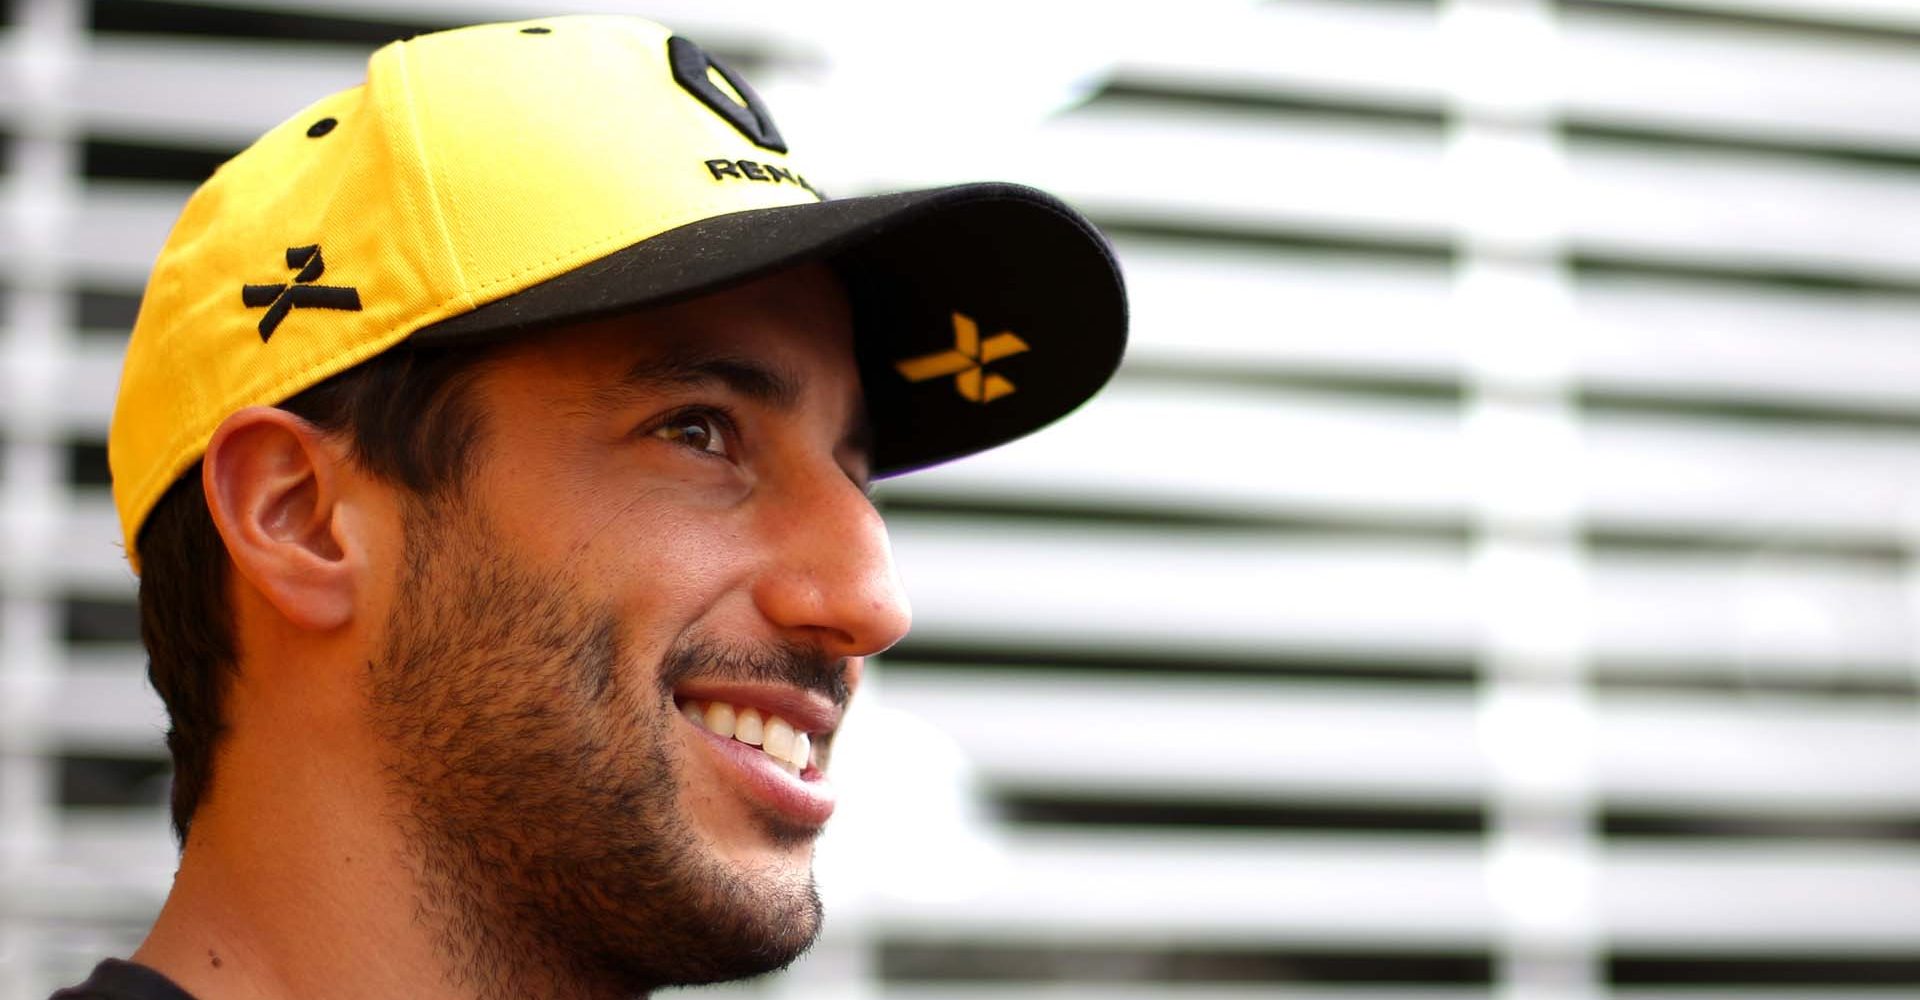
273,485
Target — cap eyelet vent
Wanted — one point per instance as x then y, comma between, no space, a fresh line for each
321,127
536,31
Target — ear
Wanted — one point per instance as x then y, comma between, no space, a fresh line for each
273,486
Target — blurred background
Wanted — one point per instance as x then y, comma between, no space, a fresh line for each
1494,573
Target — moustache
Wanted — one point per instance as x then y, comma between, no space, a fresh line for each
792,664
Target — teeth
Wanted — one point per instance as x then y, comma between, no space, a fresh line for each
720,718
776,737
748,729
779,739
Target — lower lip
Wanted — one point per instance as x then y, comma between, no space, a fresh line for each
804,798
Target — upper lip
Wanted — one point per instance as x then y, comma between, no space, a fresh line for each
806,711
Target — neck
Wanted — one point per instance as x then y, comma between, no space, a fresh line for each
298,889
286,898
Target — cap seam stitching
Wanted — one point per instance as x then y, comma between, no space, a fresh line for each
616,241
429,170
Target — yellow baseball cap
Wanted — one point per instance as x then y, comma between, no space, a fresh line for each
495,180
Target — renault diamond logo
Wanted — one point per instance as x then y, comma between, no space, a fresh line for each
968,361
281,299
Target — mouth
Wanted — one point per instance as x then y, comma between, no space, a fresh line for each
773,742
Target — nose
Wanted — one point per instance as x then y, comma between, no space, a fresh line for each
829,578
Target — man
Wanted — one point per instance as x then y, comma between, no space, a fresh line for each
494,445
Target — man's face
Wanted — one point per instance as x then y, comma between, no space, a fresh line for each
669,512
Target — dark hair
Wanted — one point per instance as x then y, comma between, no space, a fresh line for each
411,421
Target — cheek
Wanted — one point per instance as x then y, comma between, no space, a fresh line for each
667,569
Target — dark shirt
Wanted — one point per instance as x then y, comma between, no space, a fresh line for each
114,979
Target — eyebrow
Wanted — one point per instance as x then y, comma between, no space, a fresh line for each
756,380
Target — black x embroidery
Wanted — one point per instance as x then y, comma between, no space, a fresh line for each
280,299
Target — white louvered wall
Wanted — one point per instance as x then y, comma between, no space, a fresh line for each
1493,573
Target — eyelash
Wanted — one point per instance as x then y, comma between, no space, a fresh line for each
722,422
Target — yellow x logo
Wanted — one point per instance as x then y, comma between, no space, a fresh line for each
967,361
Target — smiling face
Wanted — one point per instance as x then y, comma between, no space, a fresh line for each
666,545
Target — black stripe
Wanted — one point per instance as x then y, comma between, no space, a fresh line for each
1679,13
1051,808
904,960
118,160
1654,138
163,17
89,619
1409,250
1601,265
1771,971
1277,665
87,464
1134,94
1630,823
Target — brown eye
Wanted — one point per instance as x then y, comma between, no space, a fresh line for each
696,429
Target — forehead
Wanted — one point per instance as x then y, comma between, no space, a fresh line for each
795,322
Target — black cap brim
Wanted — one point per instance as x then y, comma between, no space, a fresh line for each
1006,257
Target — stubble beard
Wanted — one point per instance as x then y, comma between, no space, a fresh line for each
538,794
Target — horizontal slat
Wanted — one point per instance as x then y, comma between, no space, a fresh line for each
1199,305
106,864
92,381
1377,52
1194,593
1788,899
1183,449
1812,618
1120,888
84,374
1737,210
1610,66
1184,739
1888,15
91,557
1775,756
1193,738
1228,450
103,703
117,230
1282,172
1671,338
1248,171
1215,308
1198,592
1757,481
214,93
1739,80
